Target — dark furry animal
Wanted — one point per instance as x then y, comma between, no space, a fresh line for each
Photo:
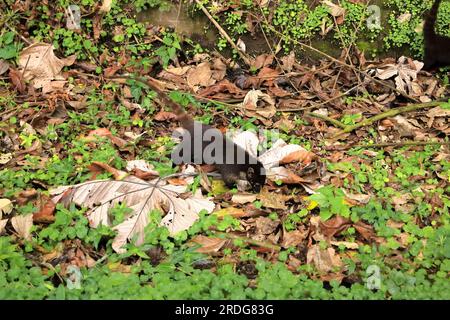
236,163
233,162
437,47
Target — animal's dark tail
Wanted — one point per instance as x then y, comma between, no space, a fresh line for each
431,19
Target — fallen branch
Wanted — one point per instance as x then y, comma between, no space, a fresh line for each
388,144
390,113
401,144
243,56
366,122
337,123
314,106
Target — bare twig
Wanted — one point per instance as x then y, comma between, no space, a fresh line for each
381,116
401,144
337,123
391,113
243,56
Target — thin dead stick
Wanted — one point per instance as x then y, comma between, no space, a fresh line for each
28,42
322,103
366,122
336,123
243,56
401,144
391,113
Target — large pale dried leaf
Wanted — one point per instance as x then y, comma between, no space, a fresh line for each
201,75
282,153
40,64
141,197
405,72
335,10
5,207
346,244
405,17
22,224
106,6
3,225
179,71
360,198
5,157
141,165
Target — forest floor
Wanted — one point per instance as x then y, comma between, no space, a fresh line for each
356,202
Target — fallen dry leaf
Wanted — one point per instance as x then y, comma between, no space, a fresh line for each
334,226
258,104
3,225
22,224
106,6
200,76
294,238
5,207
208,244
272,199
46,213
335,10
365,230
346,244
164,116
231,211
266,226
405,73
40,65
17,80
243,198
141,197
324,260
142,166
4,66
103,132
